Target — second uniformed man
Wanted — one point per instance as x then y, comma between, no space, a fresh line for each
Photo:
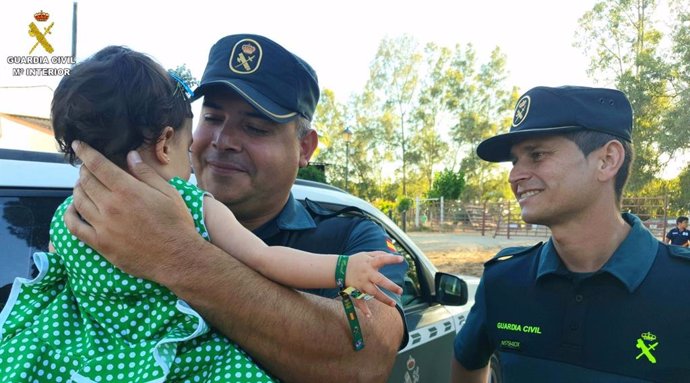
602,300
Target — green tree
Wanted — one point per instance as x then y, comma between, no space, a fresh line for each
368,147
680,200
329,121
624,45
482,106
414,98
394,84
678,118
427,148
447,184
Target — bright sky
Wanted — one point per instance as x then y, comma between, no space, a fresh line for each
339,39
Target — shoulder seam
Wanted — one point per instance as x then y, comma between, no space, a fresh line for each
512,252
677,251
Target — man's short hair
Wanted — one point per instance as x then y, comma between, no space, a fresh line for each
303,126
590,140
681,219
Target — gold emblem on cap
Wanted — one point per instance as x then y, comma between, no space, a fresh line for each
521,110
248,49
245,57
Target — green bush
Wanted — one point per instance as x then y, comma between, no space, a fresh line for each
404,204
447,184
312,173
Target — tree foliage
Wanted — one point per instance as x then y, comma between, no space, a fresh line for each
330,124
677,119
427,107
427,147
423,108
447,184
680,200
394,81
624,44
312,173
482,107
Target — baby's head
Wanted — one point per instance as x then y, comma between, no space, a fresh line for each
119,100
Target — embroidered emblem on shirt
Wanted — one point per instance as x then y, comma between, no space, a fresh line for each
647,343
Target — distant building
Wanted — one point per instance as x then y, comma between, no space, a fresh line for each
25,118
26,133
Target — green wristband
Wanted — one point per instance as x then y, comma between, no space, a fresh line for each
355,329
340,269
357,339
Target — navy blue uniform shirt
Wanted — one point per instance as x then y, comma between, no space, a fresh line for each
678,237
321,232
627,322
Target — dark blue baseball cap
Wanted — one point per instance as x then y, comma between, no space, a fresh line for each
543,110
277,83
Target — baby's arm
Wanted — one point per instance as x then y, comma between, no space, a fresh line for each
296,268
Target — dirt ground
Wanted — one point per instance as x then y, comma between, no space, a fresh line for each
460,262
464,253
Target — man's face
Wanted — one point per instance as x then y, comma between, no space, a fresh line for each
552,180
683,225
245,160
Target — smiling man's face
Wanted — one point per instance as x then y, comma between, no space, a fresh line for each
552,179
245,160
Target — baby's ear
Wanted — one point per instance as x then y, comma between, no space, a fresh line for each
163,145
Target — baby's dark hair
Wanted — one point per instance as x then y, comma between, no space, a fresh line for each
116,100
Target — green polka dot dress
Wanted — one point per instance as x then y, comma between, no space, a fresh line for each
83,320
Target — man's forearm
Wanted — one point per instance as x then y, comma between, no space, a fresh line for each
297,337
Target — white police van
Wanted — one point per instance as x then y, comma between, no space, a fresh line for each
436,304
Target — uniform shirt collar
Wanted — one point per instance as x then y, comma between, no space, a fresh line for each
630,262
293,217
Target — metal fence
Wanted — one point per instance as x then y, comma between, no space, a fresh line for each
503,218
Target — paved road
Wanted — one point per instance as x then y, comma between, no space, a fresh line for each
428,241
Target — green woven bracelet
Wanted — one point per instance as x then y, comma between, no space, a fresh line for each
340,269
355,329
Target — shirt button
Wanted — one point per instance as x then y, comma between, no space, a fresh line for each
574,326
579,298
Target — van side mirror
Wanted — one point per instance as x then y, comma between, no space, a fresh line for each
450,289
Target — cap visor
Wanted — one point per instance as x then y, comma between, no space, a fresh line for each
261,103
497,148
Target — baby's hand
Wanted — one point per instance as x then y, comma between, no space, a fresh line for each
362,274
